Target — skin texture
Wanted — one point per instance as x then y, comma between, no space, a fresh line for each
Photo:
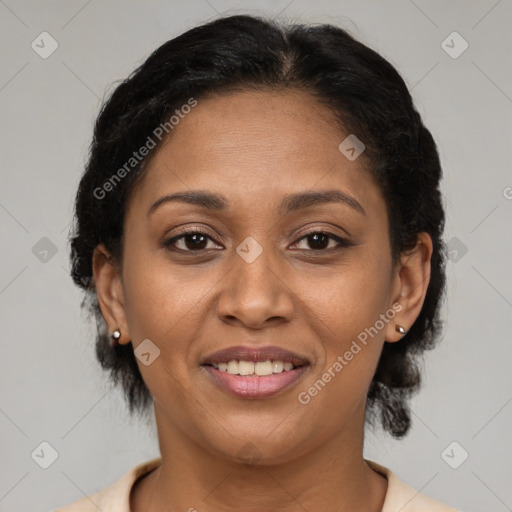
255,148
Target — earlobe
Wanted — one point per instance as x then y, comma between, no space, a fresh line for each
109,291
412,280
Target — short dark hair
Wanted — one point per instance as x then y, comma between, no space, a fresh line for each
362,89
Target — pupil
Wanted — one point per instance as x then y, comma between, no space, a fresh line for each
324,238
196,238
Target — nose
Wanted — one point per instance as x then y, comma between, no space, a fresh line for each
255,294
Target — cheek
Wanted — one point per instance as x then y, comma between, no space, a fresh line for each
351,297
352,334
162,308
159,295
165,304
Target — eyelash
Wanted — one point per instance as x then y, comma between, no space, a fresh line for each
342,242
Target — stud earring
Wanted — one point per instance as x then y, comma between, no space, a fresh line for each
115,336
400,329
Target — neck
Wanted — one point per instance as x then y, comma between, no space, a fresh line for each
333,476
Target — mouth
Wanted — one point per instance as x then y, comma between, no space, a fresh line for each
257,368
255,373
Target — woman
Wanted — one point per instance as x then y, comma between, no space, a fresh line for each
259,232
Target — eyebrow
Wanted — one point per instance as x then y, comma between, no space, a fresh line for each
289,204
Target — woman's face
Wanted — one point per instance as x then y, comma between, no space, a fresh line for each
254,279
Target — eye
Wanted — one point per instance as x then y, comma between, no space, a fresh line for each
193,239
319,241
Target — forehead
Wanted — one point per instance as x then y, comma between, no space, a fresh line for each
253,147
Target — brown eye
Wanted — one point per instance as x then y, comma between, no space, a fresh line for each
193,240
319,241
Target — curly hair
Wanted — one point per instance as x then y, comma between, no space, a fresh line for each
364,92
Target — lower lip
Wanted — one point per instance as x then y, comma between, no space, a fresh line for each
253,386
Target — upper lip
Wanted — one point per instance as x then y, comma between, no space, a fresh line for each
256,354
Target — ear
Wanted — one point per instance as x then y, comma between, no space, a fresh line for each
411,280
107,278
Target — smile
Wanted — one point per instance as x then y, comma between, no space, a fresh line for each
249,379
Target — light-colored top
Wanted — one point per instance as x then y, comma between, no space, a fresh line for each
400,497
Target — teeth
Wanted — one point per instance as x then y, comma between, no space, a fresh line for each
232,367
277,366
263,368
260,368
245,367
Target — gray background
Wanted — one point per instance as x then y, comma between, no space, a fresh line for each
52,389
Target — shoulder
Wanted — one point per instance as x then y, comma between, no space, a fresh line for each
404,498
116,497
